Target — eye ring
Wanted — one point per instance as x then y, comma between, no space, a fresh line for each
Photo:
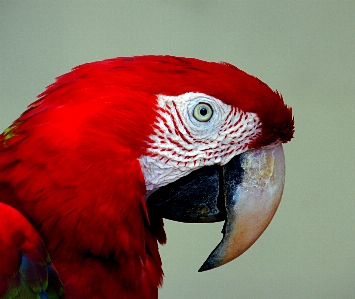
203,112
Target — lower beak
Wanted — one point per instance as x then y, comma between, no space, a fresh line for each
245,193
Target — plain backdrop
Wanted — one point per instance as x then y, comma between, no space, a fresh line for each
304,49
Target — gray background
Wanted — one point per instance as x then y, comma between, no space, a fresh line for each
303,49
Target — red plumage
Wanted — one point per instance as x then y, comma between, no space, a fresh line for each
70,164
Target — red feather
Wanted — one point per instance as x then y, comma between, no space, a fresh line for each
25,268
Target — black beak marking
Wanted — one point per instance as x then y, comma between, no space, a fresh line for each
200,196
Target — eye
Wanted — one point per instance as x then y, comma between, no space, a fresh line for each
203,112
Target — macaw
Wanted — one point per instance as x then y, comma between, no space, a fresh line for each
90,169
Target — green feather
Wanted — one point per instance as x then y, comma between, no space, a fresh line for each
9,132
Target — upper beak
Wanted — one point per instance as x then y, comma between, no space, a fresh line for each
245,193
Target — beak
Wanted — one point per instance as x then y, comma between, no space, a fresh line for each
245,193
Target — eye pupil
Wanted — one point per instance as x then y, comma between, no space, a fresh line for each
203,111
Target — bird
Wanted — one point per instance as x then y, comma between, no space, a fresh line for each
91,168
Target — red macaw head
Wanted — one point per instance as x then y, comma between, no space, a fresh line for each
115,144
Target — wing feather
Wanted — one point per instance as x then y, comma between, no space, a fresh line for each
26,270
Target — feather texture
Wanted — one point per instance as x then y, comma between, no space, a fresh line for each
26,272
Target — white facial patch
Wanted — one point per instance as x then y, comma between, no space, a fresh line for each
181,143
